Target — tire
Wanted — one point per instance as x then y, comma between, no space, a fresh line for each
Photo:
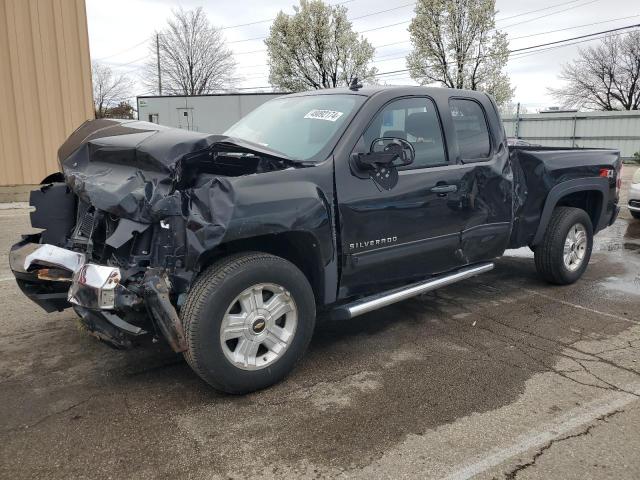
550,258
239,294
635,215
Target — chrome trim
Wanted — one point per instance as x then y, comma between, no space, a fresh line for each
50,255
397,295
94,286
633,209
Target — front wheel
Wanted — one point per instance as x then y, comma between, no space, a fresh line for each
565,250
635,214
248,319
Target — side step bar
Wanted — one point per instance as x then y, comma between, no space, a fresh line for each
379,300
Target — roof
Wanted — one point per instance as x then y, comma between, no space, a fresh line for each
226,94
369,91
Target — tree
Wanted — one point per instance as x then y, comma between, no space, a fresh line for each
122,110
603,77
510,109
194,58
316,48
455,44
109,89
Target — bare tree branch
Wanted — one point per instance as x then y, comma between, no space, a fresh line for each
109,89
194,58
603,77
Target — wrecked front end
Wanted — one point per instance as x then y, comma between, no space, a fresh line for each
124,226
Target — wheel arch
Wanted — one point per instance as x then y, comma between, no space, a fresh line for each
588,194
301,248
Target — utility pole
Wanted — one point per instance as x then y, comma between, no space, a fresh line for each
517,132
158,58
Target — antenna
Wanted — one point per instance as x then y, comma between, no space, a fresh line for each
355,85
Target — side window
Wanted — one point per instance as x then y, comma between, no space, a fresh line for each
471,129
414,120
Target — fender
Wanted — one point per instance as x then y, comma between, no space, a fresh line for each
293,207
598,184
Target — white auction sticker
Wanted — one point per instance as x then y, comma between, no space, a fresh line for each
330,115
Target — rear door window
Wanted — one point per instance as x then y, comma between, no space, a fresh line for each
471,129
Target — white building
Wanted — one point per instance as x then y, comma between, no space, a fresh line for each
201,113
555,128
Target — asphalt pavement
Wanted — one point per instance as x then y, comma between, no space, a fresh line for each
501,376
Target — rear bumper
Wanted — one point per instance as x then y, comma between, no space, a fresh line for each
56,278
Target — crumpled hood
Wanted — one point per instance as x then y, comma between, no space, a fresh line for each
129,167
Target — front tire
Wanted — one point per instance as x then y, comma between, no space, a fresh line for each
635,214
563,255
248,319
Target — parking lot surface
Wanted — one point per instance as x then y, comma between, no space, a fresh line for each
500,376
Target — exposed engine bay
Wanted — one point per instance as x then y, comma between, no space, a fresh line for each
125,222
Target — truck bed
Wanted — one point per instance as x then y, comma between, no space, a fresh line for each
537,170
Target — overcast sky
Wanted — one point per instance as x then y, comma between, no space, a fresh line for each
120,33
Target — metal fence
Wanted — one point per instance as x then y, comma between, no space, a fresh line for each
618,130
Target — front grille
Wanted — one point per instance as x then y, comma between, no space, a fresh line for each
92,228
85,226
85,223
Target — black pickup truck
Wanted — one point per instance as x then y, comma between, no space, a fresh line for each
336,201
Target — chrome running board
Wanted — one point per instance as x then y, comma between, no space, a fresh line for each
389,297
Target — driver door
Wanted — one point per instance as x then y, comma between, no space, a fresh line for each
407,229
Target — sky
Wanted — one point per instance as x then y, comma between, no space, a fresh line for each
120,33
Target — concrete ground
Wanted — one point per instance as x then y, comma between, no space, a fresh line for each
501,376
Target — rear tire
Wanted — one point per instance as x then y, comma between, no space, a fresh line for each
248,319
563,255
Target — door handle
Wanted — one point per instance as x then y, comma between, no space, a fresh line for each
444,189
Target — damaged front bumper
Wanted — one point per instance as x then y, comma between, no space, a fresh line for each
56,278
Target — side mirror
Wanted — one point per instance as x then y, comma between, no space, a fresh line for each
384,151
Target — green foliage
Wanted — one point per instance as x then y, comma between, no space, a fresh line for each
316,48
455,44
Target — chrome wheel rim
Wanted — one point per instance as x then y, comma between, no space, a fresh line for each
575,247
258,326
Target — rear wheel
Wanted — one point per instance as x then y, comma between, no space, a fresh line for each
565,250
248,319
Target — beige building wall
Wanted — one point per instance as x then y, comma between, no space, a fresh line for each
45,84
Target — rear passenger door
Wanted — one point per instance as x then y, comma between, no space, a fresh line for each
485,195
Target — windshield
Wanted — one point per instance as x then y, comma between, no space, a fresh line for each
299,127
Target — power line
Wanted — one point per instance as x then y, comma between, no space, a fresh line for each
272,19
516,52
123,51
385,11
384,26
377,59
576,38
556,43
574,27
535,11
549,14
390,75
351,19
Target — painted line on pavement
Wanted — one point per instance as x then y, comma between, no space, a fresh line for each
554,430
580,307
